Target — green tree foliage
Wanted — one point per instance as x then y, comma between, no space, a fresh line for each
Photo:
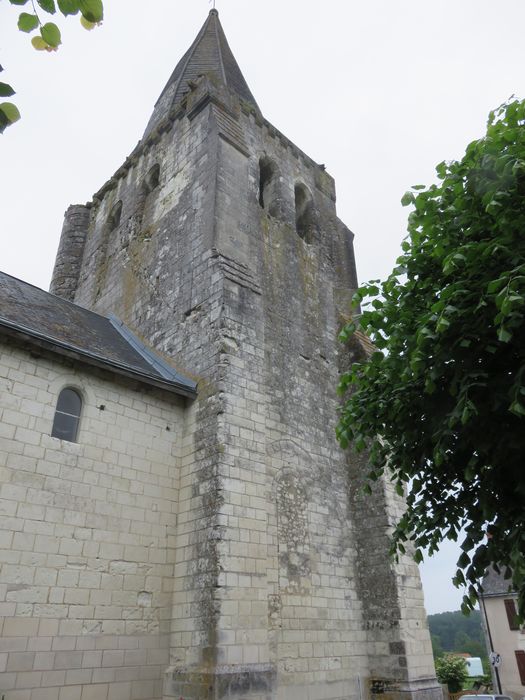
440,405
464,644
46,36
451,627
452,631
452,671
437,649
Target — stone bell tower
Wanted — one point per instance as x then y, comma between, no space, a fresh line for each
218,242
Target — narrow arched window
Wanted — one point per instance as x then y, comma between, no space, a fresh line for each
304,213
67,415
151,181
114,215
266,175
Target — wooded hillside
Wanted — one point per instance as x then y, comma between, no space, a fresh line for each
453,631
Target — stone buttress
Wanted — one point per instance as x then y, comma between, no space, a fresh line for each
219,244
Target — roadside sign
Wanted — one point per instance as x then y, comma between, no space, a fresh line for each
495,659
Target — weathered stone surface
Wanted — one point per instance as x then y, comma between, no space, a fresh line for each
69,255
87,532
282,562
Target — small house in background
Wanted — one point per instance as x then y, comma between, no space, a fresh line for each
474,666
504,636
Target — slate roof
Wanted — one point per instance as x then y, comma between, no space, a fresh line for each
209,54
58,325
365,342
496,584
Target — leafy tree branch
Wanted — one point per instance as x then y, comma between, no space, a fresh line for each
440,405
48,37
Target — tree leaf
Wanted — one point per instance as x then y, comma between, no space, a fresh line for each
48,6
27,22
442,324
517,408
407,198
68,7
463,560
51,34
39,44
18,2
87,24
10,111
3,122
441,170
92,10
347,331
504,335
6,90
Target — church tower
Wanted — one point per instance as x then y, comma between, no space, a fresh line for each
218,243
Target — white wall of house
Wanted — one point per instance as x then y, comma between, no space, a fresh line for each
506,642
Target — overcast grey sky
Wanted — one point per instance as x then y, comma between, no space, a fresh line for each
380,91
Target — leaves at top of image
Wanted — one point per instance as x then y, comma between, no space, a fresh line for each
51,34
48,6
68,7
6,90
9,114
92,10
49,37
27,22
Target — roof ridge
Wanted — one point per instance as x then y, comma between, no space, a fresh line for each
189,54
219,45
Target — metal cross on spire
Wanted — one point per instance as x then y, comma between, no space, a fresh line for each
213,2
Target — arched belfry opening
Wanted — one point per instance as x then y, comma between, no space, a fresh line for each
269,187
151,181
267,171
114,216
305,223
146,194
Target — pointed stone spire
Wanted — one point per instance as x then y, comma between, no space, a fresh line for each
209,54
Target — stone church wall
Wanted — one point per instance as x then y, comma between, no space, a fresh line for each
281,318
237,266
87,534
157,270
289,279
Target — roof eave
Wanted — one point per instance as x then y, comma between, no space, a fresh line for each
56,346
